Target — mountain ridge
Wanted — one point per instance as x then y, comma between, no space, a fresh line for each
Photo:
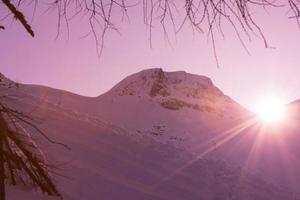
130,144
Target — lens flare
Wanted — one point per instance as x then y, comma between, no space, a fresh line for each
271,110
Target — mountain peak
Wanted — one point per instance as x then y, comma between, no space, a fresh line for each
173,91
157,83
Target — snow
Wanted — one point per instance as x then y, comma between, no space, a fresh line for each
157,135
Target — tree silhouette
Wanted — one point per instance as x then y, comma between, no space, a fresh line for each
205,16
21,161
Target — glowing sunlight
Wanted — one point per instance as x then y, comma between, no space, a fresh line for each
271,109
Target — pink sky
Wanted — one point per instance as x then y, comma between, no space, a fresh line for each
73,64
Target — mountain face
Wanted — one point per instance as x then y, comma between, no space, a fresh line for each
172,107
176,91
159,135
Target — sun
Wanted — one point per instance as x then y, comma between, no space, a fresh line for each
271,109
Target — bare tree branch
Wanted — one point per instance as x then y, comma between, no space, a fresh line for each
19,16
204,16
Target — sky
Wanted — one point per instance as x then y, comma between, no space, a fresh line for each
72,63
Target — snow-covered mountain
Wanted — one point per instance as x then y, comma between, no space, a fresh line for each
159,135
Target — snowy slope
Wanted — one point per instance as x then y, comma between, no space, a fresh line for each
173,107
156,135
